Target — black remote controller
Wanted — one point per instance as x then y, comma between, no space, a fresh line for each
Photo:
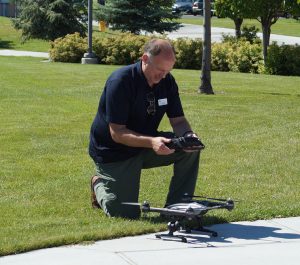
188,142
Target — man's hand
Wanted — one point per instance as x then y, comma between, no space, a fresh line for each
192,148
187,143
159,147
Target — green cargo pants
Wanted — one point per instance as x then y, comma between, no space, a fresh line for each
120,181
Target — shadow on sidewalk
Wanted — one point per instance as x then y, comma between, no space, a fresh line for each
242,234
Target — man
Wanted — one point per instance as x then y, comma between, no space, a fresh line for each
124,137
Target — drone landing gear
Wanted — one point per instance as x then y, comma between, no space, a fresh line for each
203,230
199,228
173,226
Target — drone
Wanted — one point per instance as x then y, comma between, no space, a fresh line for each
186,215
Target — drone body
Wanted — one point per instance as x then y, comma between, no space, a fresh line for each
187,215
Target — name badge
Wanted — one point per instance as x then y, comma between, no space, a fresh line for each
162,101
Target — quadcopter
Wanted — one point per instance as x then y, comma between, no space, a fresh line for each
186,215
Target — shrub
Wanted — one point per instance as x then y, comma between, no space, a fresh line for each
245,57
283,60
237,56
122,49
229,38
188,53
219,56
70,48
250,34
119,49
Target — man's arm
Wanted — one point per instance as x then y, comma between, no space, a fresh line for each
121,134
181,126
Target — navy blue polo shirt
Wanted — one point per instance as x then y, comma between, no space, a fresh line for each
124,101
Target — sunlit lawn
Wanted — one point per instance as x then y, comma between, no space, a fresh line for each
11,39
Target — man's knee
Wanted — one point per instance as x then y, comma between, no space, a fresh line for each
114,208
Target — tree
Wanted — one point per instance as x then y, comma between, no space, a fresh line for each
135,16
205,86
50,19
233,9
294,8
267,13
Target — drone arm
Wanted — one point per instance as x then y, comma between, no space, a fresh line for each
167,211
220,206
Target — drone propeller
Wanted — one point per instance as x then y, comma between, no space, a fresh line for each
187,196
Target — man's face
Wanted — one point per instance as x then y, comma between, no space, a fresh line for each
157,67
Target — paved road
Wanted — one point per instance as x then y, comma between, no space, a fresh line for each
272,242
196,31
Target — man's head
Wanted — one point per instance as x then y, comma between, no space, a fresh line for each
158,60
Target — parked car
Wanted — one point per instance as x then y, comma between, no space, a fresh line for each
285,14
197,8
182,6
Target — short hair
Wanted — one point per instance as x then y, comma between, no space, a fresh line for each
154,48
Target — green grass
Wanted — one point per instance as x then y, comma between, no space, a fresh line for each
250,127
11,39
289,27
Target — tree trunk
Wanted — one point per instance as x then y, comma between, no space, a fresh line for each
266,30
238,23
205,86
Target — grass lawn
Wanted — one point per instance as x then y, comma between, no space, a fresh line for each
11,39
283,26
250,128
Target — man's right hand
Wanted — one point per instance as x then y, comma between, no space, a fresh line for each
121,134
159,147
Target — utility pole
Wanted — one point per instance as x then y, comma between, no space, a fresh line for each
205,86
89,57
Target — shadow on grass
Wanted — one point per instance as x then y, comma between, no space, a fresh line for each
4,44
281,94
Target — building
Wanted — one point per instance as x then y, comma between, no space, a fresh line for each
7,9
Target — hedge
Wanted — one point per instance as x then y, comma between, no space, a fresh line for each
283,60
231,55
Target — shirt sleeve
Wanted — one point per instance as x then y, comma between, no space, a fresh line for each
117,101
174,103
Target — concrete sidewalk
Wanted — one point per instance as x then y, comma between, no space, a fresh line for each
273,242
24,53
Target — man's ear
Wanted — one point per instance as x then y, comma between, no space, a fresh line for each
145,58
